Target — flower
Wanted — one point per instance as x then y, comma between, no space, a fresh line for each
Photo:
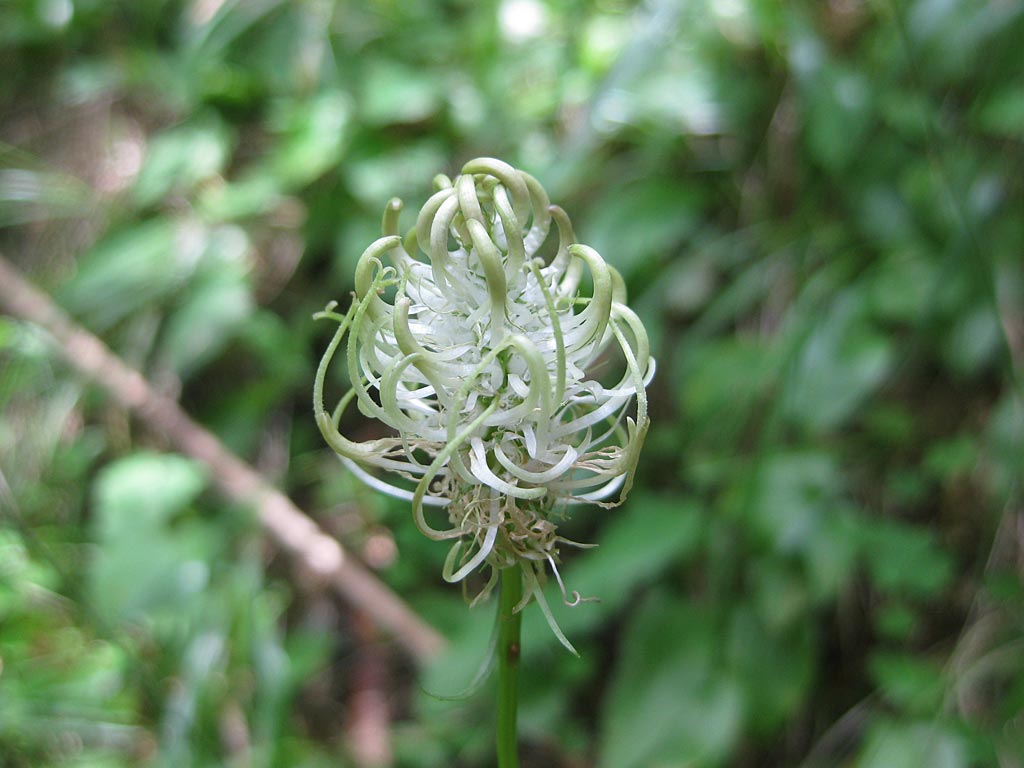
477,358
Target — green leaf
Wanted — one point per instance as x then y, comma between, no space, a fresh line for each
781,595
774,665
903,289
796,508
396,93
255,193
974,340
145,490
182,157
725,383
313,136
143,564
904,558
647,535
896,621
375,177
214,309
842,362
451,673
640,223
898,745
915,685
668,704
950,459
131,269
793,492
838,113
1002,113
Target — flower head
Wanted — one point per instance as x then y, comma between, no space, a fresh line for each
476,354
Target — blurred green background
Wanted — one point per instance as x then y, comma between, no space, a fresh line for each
818,208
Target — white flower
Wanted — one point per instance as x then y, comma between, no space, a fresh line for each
479,364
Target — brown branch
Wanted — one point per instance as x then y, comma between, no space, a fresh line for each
291,528
369,709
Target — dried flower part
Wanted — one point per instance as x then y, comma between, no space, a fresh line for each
479,364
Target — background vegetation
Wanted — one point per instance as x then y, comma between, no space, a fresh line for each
817,207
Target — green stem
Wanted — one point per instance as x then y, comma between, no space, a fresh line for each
508,664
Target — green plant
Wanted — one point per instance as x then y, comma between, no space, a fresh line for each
479,362
815,207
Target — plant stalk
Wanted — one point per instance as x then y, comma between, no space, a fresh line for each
509,625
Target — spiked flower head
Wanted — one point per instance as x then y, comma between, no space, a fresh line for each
475,353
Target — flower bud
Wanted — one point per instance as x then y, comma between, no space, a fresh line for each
479,366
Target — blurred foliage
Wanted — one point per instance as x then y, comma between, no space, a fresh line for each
817,208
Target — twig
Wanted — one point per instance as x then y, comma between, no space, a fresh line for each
368,729
291,528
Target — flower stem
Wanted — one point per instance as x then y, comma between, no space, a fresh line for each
508,664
